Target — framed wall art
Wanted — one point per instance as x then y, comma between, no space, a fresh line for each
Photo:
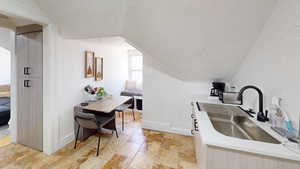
98,69
89,64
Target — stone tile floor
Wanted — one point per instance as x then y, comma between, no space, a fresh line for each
135,148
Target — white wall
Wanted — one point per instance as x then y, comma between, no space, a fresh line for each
196,40
167,100
70,79
6,47
273,63
4,66
6,38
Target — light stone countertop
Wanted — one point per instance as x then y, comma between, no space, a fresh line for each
210,136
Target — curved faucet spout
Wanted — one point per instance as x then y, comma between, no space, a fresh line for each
260,95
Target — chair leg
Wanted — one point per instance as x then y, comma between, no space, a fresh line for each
98,144
122,120
133,114
116,132
76,136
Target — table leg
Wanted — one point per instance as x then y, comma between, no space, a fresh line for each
122,120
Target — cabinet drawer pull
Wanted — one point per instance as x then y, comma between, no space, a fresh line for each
27,83
26,70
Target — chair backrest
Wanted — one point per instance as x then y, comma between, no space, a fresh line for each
86,120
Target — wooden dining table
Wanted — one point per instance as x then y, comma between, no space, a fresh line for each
104,107
107,105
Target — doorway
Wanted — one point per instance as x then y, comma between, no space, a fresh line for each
5,73
25,84
134,82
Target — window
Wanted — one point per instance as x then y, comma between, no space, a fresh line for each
136,67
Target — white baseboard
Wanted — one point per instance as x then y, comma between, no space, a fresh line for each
66,140
165,127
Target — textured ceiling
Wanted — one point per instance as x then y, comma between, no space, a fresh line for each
192,40
85,19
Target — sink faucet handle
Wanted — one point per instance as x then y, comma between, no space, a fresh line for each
266,115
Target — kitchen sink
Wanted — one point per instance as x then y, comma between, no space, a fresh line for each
234,122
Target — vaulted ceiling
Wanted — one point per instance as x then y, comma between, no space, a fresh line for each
85,19
191,40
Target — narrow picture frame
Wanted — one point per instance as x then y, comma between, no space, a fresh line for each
98,68
89,68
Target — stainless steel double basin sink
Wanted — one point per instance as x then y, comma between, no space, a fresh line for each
234,122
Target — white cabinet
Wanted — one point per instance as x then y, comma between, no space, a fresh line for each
21,54
35,53
29,54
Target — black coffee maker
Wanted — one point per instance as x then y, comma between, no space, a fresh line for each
218,89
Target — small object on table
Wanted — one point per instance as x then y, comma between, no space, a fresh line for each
96,93
90,90
84,104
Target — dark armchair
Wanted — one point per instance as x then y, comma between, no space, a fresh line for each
93,122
